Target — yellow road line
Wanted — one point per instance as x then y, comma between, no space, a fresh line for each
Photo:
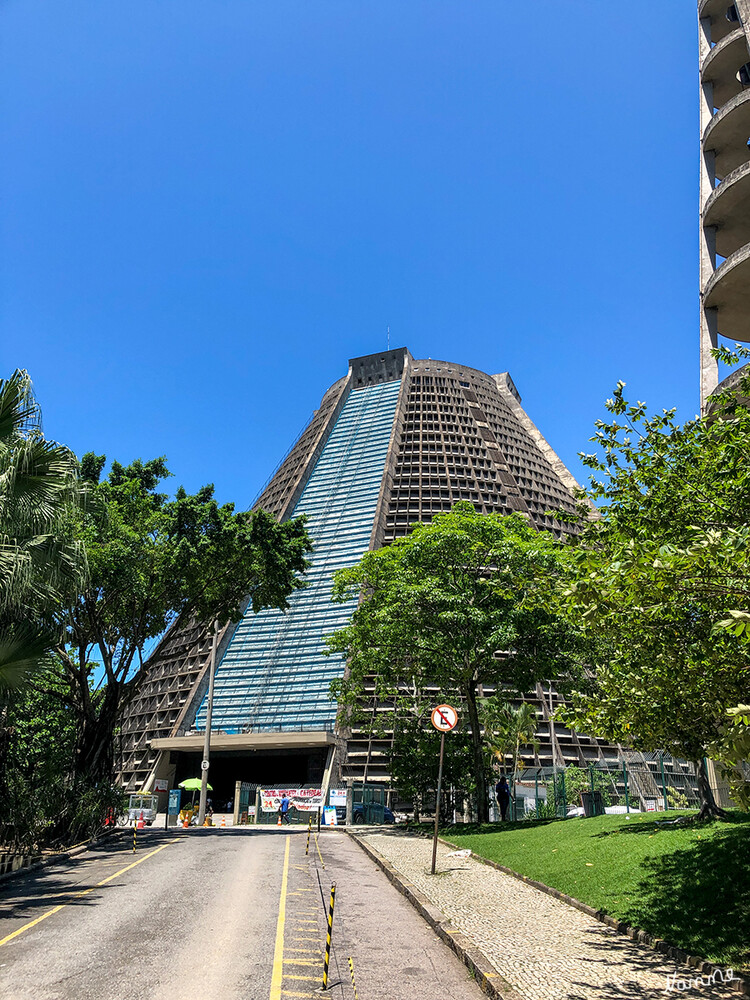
319,854
278,954
84,892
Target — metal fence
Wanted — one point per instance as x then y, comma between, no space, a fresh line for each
635,782
368,803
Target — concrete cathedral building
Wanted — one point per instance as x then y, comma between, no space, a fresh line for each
725,182
395,441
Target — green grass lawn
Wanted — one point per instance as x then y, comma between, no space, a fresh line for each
689,885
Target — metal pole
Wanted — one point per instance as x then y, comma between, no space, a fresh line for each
437,802
625,779
309,830
591,782
536,792
207,739
663,782
564,796
328,937
135,832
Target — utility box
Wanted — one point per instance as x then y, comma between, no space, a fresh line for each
593,804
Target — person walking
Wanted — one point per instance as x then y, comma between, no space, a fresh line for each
502,794
284,810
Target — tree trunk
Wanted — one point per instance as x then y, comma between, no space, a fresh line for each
709,809
483,810
94,752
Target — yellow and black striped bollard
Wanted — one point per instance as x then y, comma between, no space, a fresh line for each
351,970
328,937
135,832
309,829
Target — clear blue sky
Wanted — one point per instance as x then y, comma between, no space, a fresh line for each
210,205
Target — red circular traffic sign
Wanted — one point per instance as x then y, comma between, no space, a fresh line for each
444,718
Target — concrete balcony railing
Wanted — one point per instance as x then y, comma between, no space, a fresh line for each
716,12
727,134
728,291
727,209
722,65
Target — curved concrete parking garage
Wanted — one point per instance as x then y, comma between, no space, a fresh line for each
728,133
716,12
728,210
725,180
722,64
729,291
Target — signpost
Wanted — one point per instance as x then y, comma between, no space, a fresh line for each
444,719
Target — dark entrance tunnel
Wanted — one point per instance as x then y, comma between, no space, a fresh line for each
262,767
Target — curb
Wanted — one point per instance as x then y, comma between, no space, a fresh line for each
677,955
488,978
53,859
491,982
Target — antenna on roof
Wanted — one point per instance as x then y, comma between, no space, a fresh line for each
389,337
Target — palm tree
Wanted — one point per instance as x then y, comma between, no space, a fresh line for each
507,730
40,561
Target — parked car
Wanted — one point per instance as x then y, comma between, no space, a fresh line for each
358,814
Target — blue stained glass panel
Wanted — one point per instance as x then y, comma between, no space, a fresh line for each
274,674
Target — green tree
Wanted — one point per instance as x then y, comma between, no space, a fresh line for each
40,561
508,730
580,779
438,605
656,575
41,800
155,563
411,744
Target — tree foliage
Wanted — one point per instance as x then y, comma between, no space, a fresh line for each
42,801
41,563
157,562
439,604
508,730
658,576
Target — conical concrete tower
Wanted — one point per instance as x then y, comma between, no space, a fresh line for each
394,442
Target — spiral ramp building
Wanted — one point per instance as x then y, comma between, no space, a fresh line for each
725,181
394,442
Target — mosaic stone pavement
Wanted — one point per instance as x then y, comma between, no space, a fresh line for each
544,948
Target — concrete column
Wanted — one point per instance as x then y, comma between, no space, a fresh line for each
743,9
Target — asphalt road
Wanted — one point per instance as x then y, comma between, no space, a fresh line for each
235,914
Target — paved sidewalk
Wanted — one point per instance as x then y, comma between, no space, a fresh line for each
545,949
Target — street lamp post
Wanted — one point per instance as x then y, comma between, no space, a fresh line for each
207,740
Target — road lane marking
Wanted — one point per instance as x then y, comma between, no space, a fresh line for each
319,854
84,892
278,953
